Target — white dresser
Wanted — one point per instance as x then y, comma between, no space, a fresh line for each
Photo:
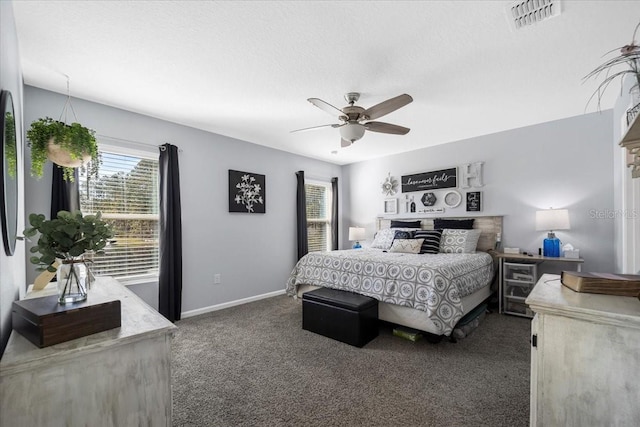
119,377
585,357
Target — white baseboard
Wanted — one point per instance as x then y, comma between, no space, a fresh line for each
224,305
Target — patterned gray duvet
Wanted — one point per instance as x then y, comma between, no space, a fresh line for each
431,283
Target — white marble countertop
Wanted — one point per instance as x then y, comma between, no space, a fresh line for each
550,296
139,321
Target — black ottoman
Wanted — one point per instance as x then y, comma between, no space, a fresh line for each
343,316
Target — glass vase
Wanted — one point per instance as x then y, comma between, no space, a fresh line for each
73,278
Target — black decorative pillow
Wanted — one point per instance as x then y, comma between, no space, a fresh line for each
453,224
405,224
431,243
404,234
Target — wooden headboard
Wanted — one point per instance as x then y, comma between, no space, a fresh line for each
490,227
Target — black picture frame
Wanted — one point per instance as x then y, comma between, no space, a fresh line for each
474,201
247,192
434,180
9,160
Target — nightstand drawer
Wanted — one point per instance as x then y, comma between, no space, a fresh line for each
518,279
520,272
515,289
518,276
517,306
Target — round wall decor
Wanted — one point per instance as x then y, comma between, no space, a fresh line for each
452,199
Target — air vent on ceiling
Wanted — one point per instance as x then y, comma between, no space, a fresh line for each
523,13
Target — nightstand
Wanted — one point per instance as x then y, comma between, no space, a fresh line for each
518,275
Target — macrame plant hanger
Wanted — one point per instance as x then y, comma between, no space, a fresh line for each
67,106
57,155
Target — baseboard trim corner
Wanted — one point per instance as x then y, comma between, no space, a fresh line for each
196,312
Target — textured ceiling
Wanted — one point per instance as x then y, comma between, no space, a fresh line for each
245,68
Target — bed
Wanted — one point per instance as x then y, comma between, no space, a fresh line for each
429,292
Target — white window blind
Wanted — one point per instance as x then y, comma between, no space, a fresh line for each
126,193
318,197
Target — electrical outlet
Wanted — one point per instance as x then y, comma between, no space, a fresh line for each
217,279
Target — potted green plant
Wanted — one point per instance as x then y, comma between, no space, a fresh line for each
67,238
69,146
629,57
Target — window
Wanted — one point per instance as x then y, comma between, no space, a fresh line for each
318,196
126,193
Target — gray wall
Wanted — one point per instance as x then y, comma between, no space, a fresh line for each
254,253
562,164
12,274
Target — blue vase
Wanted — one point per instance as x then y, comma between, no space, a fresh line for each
551,246
357,246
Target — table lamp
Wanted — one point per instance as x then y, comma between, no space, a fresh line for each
550,220
356,234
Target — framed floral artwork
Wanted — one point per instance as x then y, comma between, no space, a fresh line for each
246,192
391,206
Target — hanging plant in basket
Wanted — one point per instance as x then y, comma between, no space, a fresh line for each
69,146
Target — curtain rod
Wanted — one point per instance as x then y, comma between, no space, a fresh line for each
130,141
318,178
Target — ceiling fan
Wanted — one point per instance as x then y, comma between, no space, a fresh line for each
354,119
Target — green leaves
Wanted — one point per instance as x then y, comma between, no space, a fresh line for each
629,56
68,235
76,139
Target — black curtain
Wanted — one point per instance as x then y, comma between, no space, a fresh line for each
301,216
170,280
65,195
334,213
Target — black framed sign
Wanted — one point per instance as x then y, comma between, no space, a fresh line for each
246,192
474,201
446,178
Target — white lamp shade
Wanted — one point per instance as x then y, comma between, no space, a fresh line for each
552,219
352,131
356,233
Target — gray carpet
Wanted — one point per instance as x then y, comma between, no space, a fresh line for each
253,365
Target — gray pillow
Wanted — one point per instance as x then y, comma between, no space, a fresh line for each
459,241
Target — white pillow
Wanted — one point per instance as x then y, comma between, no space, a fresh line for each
459,241
408,246
384,238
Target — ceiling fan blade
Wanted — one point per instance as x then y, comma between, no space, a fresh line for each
335,125
344,143
386,107
325,106
386,128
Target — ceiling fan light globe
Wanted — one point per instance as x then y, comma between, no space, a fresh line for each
352,131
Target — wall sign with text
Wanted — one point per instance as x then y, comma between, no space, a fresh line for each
446,178
474,201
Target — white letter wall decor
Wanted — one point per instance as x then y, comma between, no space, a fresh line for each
472,175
